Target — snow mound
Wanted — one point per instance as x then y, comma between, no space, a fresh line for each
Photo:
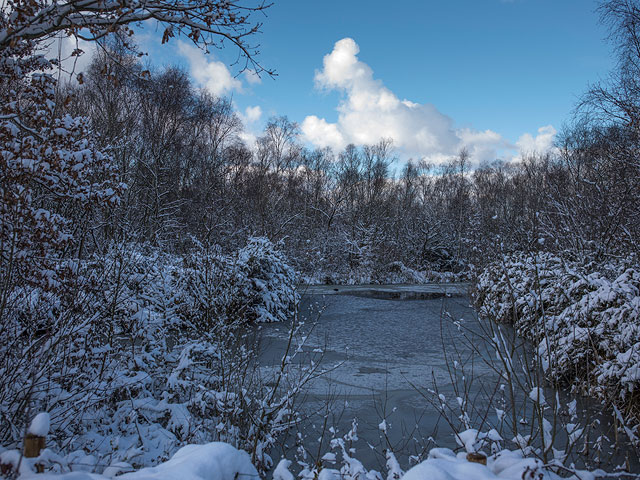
444,464
212,461
441,469
221,461
282,471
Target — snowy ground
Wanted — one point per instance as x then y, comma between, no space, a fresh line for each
220,461
378,350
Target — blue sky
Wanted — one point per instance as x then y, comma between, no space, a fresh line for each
478,73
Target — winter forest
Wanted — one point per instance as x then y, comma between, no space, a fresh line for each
150,250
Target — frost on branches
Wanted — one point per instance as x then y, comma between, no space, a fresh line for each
584,321
51,170
153,359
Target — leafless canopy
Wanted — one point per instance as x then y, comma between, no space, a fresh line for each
616,100
206,22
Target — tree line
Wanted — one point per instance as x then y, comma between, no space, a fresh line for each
169,167
189,174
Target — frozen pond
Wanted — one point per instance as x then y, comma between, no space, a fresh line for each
377,346
378,349
385,350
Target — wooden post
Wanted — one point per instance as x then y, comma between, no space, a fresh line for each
33,445
477,458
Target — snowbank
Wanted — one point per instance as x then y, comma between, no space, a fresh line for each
444,464
212,461
221,461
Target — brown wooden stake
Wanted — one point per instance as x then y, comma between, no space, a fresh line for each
477,458
33,444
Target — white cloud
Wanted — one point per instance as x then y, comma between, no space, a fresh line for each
319,132
252,77
210,74
370,111
483,145
252,114
541,143
250,119
249,138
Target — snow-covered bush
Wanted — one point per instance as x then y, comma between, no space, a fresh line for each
255,284
595,342
220,461
522,286
55,183
398,272
389,273
150,355
584,321
265,283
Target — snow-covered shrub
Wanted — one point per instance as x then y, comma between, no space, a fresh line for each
265,283
584,321
523,286
208,282
149,355
595,342
389,273
54,182
255,284
397,272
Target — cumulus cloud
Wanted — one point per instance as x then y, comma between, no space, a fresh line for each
252,114
541,143
249,138
250,118
319,132
370,111
211,74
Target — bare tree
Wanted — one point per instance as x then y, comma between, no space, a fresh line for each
617,99
278,145
206,23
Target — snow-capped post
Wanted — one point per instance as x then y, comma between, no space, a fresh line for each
35,440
